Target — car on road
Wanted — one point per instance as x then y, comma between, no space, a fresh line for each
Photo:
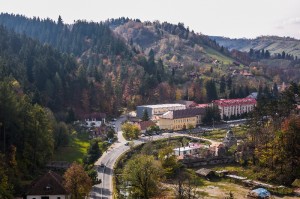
127,144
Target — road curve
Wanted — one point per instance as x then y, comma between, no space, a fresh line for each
106,162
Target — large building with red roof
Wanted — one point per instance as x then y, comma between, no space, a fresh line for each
234,107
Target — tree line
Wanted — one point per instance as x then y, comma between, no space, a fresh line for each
274,136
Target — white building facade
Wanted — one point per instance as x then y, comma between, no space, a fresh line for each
234,107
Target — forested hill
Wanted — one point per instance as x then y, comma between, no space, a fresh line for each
273,44
77,38
41,72
98,75
32,76
173,43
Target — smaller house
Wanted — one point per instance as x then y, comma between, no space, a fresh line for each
253,95
206,173
246,73
49,186
94,119
192,149
134,120
144,125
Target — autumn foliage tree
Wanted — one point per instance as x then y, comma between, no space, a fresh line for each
130,131
275,137
144,174
77,181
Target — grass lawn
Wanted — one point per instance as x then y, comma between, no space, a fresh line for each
216,55
218,135
75,151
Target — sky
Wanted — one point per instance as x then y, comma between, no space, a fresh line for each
229,18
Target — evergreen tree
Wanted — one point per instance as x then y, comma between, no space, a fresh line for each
59,20
211,90
145,115
275,91
267,54
222,84
283,55
93,153
251,52
212,114
229,83
262,54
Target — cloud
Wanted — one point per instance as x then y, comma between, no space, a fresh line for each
295,21
292,21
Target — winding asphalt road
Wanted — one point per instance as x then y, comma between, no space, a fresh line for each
107,161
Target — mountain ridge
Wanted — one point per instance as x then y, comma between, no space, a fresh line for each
274,44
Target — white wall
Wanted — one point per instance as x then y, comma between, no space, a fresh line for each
50,197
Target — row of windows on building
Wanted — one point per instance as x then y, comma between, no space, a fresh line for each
185,120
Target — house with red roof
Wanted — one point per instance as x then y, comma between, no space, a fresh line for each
144,125
48,186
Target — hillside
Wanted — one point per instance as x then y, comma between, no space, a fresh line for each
272,43
123,63
174,44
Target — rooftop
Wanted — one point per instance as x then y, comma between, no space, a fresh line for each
187,148
191,112
48,184
145,124
232,102
190,147
162,105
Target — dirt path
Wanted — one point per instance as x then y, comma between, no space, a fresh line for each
222,189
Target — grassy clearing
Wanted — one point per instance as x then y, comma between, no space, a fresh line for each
75,151
218,135
216,55
222,188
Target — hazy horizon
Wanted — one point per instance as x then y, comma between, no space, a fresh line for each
231,18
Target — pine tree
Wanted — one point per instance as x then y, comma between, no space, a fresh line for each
222,84
145,115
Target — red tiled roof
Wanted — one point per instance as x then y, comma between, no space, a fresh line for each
145,124
233,102
48,184
202,105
